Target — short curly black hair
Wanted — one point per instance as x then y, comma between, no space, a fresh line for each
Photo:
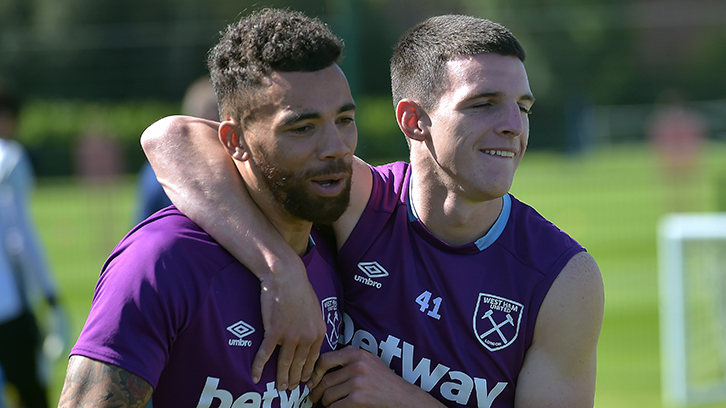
265,41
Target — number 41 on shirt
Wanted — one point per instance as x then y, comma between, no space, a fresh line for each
428,305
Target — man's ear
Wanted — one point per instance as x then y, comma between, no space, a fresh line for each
413,121
230,134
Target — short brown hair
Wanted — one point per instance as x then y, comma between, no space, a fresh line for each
420,57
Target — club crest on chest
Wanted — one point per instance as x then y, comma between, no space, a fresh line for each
496,321
333,320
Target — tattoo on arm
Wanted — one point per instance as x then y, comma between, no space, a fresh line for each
91,383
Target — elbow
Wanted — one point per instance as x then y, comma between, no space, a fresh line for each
161,132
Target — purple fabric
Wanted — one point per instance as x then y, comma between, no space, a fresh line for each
456,321
176,309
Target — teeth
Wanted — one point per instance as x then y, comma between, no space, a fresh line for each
499,153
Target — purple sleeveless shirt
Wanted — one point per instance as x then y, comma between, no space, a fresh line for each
456,321
176,309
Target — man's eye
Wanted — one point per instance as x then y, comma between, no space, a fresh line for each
301,129
525,110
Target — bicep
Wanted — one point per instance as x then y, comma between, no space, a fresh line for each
91,383
560,367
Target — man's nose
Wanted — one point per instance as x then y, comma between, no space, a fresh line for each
335,143
512,121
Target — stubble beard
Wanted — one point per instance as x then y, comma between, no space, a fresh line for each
290,189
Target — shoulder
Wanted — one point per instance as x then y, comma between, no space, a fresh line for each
579,280
389,186
12,158
10,148
392,175
167,243
168,229
577,287
573,307
529,220
375,188
536,241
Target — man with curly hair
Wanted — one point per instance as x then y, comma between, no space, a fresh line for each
173,313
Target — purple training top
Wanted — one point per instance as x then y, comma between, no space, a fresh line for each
457,321
176,309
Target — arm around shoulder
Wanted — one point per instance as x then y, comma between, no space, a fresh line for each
200,178
560,367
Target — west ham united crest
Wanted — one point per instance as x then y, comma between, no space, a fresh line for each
332,317
496,321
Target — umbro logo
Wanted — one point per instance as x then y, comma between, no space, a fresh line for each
241,330
373,270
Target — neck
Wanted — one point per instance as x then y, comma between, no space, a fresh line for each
295,231
297,236
447,214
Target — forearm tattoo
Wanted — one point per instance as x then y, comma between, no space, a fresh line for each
91,383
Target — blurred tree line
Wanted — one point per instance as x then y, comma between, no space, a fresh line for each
114,66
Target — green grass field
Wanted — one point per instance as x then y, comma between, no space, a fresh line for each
610,200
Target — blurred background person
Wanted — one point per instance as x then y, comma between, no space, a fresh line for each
200,101
25,276
678,134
